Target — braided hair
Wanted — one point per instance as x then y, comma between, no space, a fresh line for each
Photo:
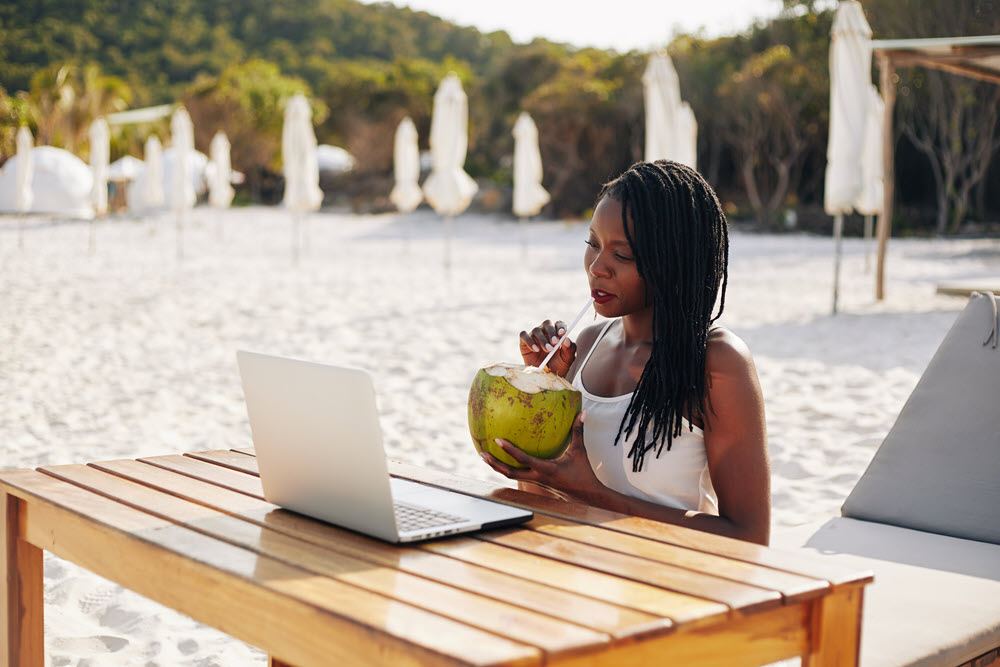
680,242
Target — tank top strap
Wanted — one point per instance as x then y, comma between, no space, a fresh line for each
593,347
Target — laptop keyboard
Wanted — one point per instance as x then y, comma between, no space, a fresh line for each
412,517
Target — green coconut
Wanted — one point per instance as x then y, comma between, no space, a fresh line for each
531,408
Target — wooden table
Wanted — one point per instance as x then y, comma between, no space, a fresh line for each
575,586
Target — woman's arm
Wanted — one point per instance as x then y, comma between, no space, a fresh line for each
735,443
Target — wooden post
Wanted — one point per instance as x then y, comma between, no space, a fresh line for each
888,86
22,640
836,629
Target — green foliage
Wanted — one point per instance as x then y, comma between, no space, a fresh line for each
247,102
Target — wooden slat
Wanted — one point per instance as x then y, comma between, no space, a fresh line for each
21,626
807,565
607,614
736,596
294,614
792,587
216,474
682,609
229,459
744,642
522,625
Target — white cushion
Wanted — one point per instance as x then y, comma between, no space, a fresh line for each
938,469
935,599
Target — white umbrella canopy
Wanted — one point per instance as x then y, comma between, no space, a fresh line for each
182,195
126,168
529,195
671,128
152,177
870,200
60,183
406,193
220,191
298,154
448,189
850,79
23,194
100,155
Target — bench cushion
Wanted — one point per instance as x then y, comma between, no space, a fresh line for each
935,600
938,469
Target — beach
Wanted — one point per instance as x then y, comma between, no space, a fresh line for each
120,338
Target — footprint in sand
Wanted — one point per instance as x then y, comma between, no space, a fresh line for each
187,646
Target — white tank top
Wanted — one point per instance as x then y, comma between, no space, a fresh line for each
677,478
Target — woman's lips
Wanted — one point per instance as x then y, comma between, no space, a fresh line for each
601,296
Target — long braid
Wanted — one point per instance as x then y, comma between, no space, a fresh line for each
680,242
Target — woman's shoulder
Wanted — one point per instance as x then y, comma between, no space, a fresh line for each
726,352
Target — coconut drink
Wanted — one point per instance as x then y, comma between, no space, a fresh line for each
531,408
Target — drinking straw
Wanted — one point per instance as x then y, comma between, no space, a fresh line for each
572,324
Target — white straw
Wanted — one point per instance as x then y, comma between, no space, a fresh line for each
572,324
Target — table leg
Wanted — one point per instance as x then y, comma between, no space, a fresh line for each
22,641
836,629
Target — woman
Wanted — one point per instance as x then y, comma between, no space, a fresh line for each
672,426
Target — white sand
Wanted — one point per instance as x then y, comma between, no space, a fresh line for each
128,352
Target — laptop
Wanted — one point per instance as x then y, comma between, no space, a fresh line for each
319,450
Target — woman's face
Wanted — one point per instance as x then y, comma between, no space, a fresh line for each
614,279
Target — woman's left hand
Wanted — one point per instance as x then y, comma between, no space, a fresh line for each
570,473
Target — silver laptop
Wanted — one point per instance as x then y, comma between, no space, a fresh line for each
319,451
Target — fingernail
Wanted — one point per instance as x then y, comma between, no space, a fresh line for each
566,342
553,340
548,348
561,332
583,416
535,348
497,440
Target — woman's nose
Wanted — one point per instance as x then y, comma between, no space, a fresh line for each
599,268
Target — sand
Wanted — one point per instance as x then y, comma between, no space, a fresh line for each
113,346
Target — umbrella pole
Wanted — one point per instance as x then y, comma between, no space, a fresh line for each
180,236
838,232
869,223
447,243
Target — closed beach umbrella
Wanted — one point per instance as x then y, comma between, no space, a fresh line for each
870,202
529,195
850,80
23,196
152,177
100,156
671,128
406,193
182,196
298,154
220,191
448,189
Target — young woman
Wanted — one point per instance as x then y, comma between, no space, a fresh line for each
672,426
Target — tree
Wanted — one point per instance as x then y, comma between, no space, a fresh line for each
768,98
247,102
951,120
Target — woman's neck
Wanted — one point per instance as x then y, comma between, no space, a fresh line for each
637,327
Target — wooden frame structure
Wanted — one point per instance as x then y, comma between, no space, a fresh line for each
975,57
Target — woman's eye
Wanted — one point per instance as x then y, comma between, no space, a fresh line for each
591,243
623,258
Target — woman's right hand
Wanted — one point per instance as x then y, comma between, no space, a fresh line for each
536,345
